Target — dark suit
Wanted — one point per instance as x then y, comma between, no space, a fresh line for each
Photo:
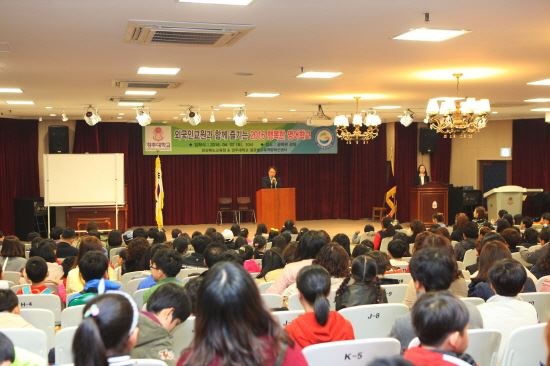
418,181
266,183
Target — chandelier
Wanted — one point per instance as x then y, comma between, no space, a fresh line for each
457,117
364,128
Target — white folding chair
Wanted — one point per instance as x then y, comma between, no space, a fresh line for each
64,345
42,301
148,362
460,266
526,346
138,297
72,316
395,293
401,277
183,334
127,277
273,301
470,257
114,260
373,321
294,302
132,285
11,276
33,340
384,244
286,317
358,352
466,274
185,272
453,243
541,280
264,286
541,302
42,319
115,251
517,256
473,300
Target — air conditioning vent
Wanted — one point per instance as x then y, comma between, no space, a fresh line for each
134,100
145,84
185,33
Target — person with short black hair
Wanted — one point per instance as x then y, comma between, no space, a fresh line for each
530,238
438,219
387,231
176,233
319,324
398,248
542,267
167,307
114,239
165,266
247,254
470,233
196,259
509,218
501,213
139,233
7,350
364,248
55,233
517,219
236,230
441,323
501,225
526,223
343,240
504,311
36,272
259,243
46,249
532,256
213,254
356,238
10,313
181,244
512,236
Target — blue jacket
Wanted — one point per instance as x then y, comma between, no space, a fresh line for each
147,282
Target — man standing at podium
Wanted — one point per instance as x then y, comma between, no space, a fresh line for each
271,181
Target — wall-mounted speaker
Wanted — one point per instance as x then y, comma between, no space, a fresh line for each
58,139
427,141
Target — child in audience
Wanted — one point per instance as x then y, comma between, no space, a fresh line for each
259,243
108,331
231,316
36,272
504,311
7,351
398,249
165,266
530,238
344,241
4,285
441,323
93,269
319,324
47,249
387,232
167,307
361,249
12,254
181,244
383,266
542,267
365,288
10,312
149,281
357,236
438,219
247,253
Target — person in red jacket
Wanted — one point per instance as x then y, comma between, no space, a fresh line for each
319,324
441,322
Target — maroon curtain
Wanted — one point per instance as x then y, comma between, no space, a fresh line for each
18,166
405,166
86,138
530,155
440,160
343,185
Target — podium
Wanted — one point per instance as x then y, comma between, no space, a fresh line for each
427,200
509,198
275,206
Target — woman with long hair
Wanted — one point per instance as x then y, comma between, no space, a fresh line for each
12,254
364,288
233,325
422,176
387,231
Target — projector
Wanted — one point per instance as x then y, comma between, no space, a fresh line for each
319,118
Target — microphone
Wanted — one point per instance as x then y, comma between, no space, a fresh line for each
273,182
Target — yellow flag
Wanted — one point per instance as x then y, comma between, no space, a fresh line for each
159,194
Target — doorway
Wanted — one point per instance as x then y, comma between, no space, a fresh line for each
493,174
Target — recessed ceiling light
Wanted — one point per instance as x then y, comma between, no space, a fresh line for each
292,110
119,117
140,92
48,107
144,70
176,117
20,102
53,115
230,105
388,107
319,75
430,35
262,95
130,104
353,96
228,118
121,114
467,73
11,90
540,82
537,100
540,110
494,112
279,118
216,109
219,2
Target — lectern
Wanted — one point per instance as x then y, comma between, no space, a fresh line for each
509,198
274,206
427,200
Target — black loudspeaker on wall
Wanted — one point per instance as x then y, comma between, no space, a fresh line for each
427,141
58,139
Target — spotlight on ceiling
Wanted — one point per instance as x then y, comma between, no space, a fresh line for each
240,117
194,118
212,116
407,118
64,117
143,117
91,117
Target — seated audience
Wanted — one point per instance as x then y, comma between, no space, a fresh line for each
10,313
383,266
66,244
149,281
181,245
167,307
504,311
247,253
480,215
160,237
526,223
191,289
7,350
289,226
175,233
93,270
417,227
261,229
108,331
441,323
470,233
36,273
398,249
438,219
512,236
231,316
344,241
542,267
364,248
530,238
460,221
196,259
259,243
12,254
387,232
319,324
165,266
272,265
356,238
47,250
501,225
114,240
362,286
533,256
240,242
517,219
432,269
139,233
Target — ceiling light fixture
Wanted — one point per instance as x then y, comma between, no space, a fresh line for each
319,74
430,34
219,2
140,92
261,95
145,70
48,107
368,96
20,102
194,118
537,100
91,116
143,117
130,104
407,118
53,115
364,129
212,116
11,90
64,117
455,118
231,105
387,107
240,118
319,118
540,82
540,110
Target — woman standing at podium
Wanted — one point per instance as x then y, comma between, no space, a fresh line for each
271,181
422,176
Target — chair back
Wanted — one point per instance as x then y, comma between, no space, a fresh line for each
132,285
541,302
11,276
42,301
64,345
384,244
466,274
395,293
475,301
373,321
185,272
294,301
183,334
225,203
358,352
42,319
470,257
403,278
72,316
264,286
526,346
147,362
273,301
541,280
30,339
128,276
286,317
244,203
138,297
115,251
